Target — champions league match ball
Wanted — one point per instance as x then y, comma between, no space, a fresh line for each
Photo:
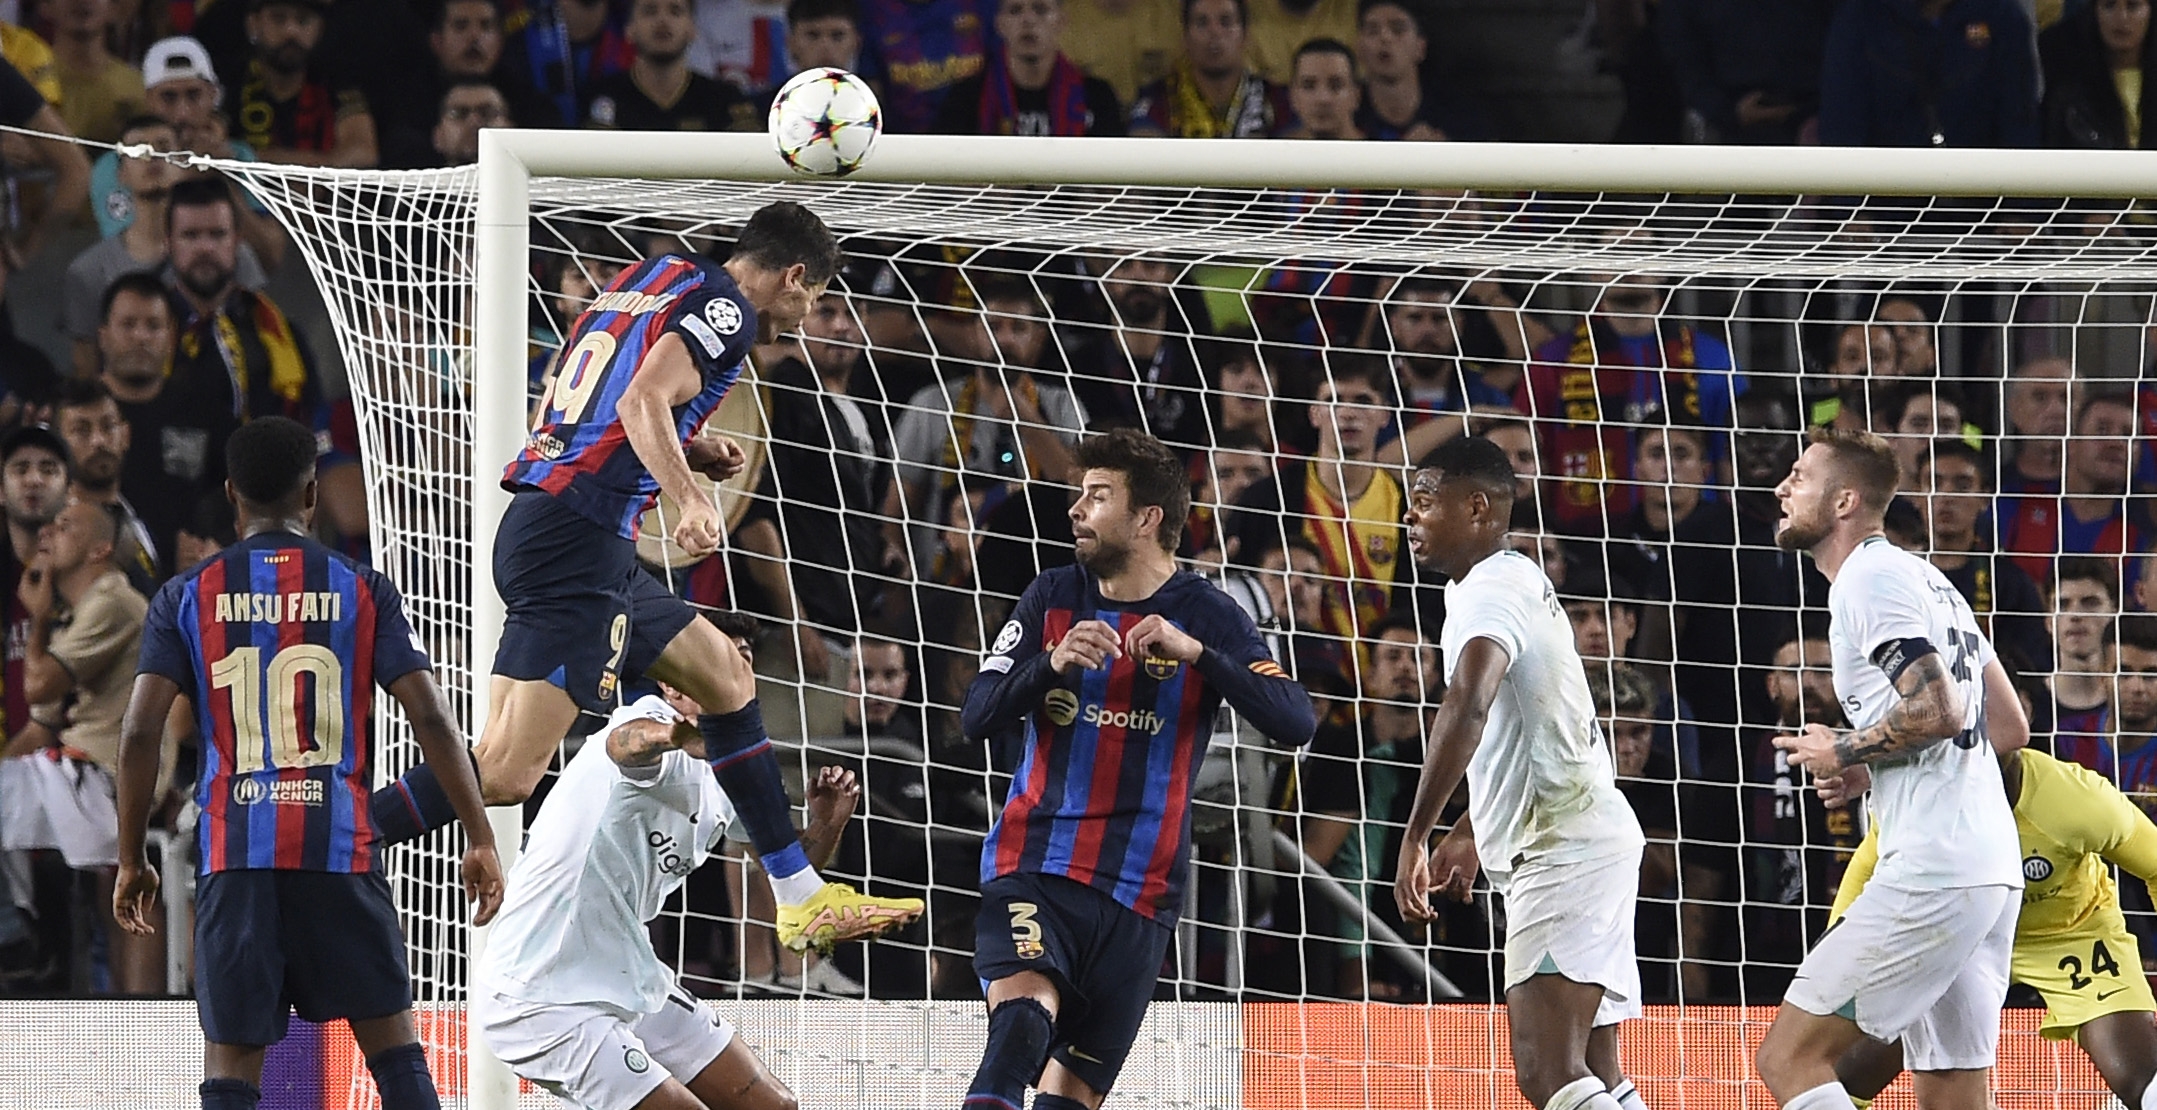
824,122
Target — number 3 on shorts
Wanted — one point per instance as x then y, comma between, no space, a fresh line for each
2101,963
1025,931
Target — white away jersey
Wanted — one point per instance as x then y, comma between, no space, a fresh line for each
603,853
1944,818
1541,786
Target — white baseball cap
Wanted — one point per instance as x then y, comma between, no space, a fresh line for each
176,59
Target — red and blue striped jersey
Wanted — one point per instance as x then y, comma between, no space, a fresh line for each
578,450
1102,794
280,642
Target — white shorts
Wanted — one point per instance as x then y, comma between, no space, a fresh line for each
1575,920
48,800
1927,967
601,1057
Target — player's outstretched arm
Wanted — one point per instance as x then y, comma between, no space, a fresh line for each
442,745
1455,734
1930,711
666,378
644,742
1017,674
142,735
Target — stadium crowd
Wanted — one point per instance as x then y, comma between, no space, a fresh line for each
915,479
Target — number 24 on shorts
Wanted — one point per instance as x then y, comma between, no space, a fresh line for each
2101,963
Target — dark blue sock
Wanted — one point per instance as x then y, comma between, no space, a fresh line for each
401,1075
1019,1032
748,771
411,807
229,1094
1057,1102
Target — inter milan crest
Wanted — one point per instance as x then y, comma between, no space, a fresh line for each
2036,869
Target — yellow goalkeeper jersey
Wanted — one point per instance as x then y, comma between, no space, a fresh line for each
2071,823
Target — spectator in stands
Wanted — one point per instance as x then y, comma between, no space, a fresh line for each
1393,49
1842,394
2094,513
2134,727
1608,613
659,92
743,43
1456,348
178,413
1625,703
27,377
1140,370
1953,493
1243,390
1323,96
78,667
2074,721
2097,65
1797,847
287,110
1623,367
1913,416
97,438
1296,583
466,45
1677,541
98,92
1030,87
1517,440
1749,69
563,48
1930,73
1276,29
914,51
962,442
826,477
2036,433
1127,43
1213,92
1357,790
1237,462
823,33
467,107
22,106
140,246
33,490
1342,501
1917,354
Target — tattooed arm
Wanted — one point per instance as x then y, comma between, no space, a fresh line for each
1930,711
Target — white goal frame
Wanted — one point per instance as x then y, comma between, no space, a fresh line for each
509,159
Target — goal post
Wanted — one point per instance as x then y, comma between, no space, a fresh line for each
429,277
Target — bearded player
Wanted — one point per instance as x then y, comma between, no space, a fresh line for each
2071,941
1545,818
643,369
1112,672
1922,955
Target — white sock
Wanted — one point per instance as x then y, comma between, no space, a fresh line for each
2149,1096
1628,1096
796,888
1827,1096
1582,1094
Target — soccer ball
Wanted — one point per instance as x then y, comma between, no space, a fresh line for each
824,122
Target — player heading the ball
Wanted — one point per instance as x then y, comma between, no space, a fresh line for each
622,421
1545,818
1923,953
1110,672
279,643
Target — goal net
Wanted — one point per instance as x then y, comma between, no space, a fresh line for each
1647,357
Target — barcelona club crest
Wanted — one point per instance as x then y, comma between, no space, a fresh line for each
1161,669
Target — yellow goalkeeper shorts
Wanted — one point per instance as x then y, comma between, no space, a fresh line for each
2084,975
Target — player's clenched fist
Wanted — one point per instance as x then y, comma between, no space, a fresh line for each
1155,637
1089,645
715,456
697,532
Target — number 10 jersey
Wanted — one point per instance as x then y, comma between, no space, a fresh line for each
1943,814
279,643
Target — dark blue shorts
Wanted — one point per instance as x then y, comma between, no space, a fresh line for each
567,583
656,616
1104,958
270,942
